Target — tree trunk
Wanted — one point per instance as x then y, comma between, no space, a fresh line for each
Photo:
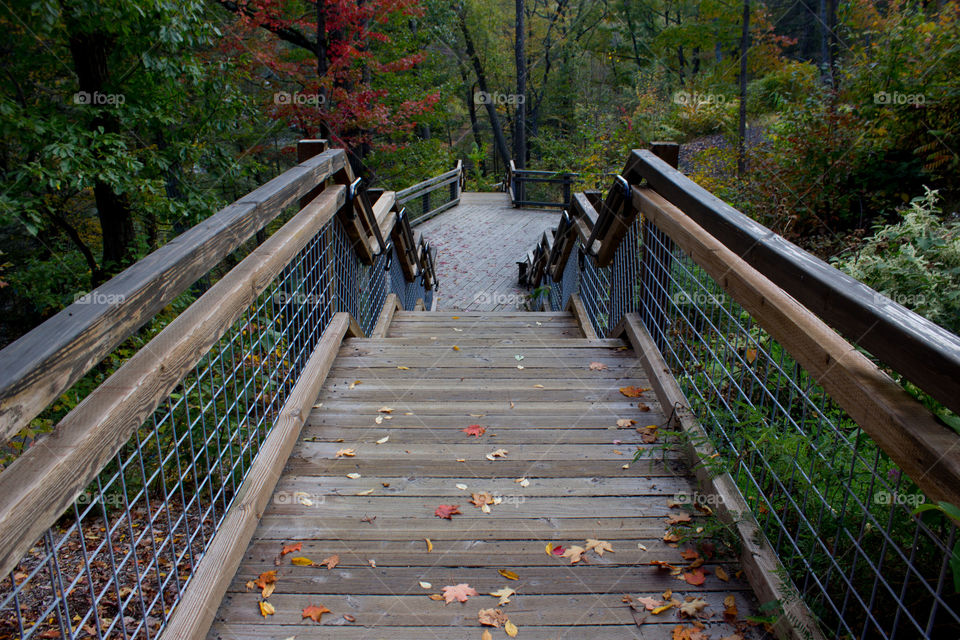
89,52
520,130
498,137
744,48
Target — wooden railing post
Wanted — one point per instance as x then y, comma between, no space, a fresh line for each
307,149
657,261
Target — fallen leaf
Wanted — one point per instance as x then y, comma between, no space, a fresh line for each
722,574
290,548
372,563
429,544
730,611
447,511
670,537
509,575
663,564
499,453
633,392
693,607
559,550
425,585
301,561
378,419
486,636
481,500
626,422
353,476
660,610
599,546
385,410
504,594
265,578
355,383
266,593
511,629
458,592
266,609
403,368
549,548
475,430
435,596
539,386
689,554
677,518
750,355
345,453
492,617
642,407
518,357
346,616
695,577
523,482
456,348
598,366
461,486
650,603
365,492
575,554
331,562
314,612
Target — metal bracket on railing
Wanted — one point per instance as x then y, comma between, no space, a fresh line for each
389,251
352,192
620,180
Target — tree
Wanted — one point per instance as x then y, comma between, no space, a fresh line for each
332,92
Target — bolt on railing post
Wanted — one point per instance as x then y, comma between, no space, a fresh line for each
657,261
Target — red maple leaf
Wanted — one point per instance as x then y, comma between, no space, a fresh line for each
447,511
475,430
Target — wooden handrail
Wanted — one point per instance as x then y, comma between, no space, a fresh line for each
898,423
416,190
41,365
920,350
42,483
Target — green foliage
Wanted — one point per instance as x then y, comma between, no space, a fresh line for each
915,262
783,87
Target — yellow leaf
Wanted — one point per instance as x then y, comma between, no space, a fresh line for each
660,610
365,493
486,636
429,544
302,562
268,590
720,573
509,575
511,629
549,548
266,609
456,348
403,368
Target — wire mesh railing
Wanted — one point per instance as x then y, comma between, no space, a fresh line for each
117,561
834,505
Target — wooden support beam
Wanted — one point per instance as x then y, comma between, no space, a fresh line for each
927,451
757,557
42,483
390,306
41,365
575,306
926,354
194,614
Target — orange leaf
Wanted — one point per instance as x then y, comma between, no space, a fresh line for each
315,612
290,548
331,562
695,577
689,554
633,392
267,577
475,430
447,511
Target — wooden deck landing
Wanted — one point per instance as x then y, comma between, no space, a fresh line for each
555,418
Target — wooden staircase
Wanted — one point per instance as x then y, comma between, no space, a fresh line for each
563,472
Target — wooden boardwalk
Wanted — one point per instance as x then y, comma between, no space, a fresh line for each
566,475
478,245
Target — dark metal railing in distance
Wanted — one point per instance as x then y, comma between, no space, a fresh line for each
426,199
545,189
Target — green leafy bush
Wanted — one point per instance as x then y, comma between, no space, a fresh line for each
915,262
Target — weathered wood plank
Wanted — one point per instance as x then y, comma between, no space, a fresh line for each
903,427
923,352
194,613
42,483
39,366
390,307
